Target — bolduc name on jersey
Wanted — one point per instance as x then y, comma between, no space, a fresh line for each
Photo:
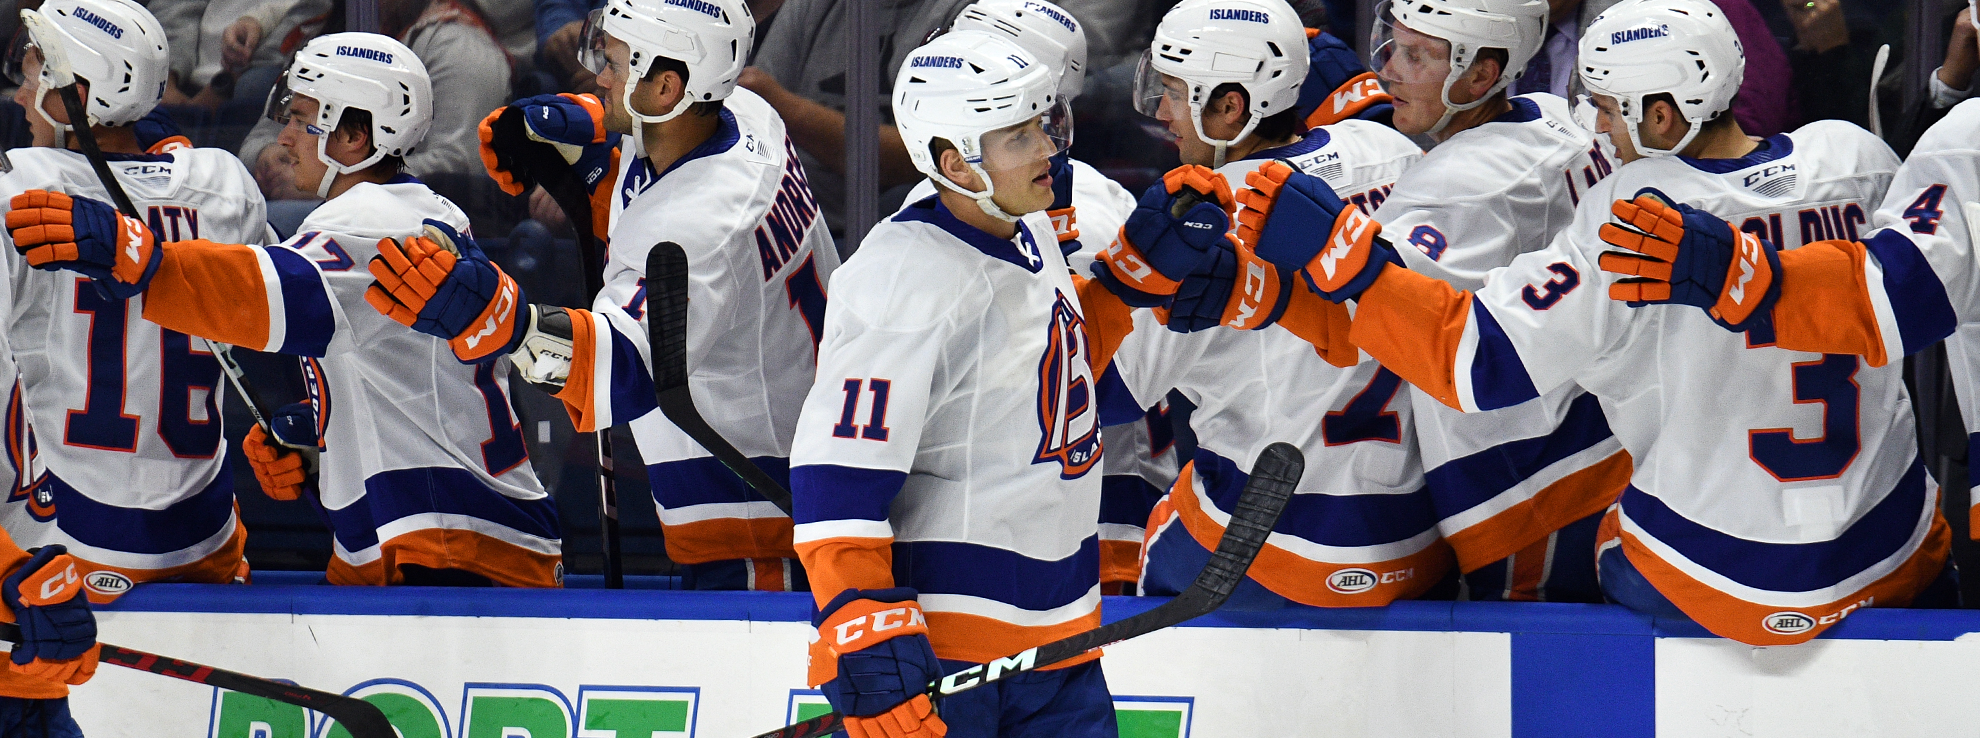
781,235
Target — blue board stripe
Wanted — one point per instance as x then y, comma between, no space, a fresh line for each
1583,684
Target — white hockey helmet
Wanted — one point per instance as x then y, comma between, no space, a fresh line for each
115,45
1517,26
1048,31
1684,48
976,90
359,71
711,37
1257,44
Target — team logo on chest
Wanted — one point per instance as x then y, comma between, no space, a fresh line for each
1067,420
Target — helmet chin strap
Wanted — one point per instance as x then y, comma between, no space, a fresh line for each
62,130
1636,139
1451,109
336,167
679,107
1222,146
983,199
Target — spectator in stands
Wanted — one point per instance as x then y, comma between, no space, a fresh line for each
210,53
462,57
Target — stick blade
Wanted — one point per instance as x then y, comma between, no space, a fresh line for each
666,313
1274,475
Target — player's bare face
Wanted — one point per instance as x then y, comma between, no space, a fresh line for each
1414,74
44,134
299,137
1018,160
611,81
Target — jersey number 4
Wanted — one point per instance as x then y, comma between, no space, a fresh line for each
102,422
1830,381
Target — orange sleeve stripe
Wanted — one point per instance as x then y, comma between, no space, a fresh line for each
1730,617
1108,321
211,290
1574,497
1305,580
721,539
1413,325
1323,323
835,565
1825,302
579,390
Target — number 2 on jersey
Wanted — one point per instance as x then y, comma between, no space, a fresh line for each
1830,381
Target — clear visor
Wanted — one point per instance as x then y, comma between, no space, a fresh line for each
277,107
23,59
591,43
1151,87
1029,143
1403,55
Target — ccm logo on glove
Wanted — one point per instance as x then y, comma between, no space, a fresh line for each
860,630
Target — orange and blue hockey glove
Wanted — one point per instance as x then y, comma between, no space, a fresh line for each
1065,218
1675,253
58,631
1338,86
1284,212
282,464
55,231
572,124
1178,223
442,285
880,642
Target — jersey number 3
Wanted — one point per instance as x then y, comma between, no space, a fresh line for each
1830,381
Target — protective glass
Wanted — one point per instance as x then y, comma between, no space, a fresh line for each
591,43
1149,89
1403,55
22,57
277,107
1028,143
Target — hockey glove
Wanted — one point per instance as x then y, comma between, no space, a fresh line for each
880,641
1338,86
572,124
1065,221
158,134
283,464
1169,234
58,632
55,231
1675,253
442,285
1284,209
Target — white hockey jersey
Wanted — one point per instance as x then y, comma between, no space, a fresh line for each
126,414
1774,491
759,260
951,439
1503,480
1360,529
27,513
423,462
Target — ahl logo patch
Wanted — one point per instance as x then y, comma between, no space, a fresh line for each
1787,623
107,583
1352,581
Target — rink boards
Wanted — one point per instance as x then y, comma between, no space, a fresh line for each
626,664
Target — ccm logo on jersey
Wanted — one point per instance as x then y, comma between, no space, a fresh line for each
93,19
1638,34
1356,581
1766,172
1254,16
1790,622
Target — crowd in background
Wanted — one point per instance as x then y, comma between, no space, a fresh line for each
1806,60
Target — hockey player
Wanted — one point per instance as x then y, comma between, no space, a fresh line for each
126,415
1518,492
759,257
1087,210
43,593
1911,281
944,459
1772,520
424,476
1223,76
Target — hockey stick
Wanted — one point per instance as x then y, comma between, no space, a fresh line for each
666,333
1273,477
540,162
361,718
